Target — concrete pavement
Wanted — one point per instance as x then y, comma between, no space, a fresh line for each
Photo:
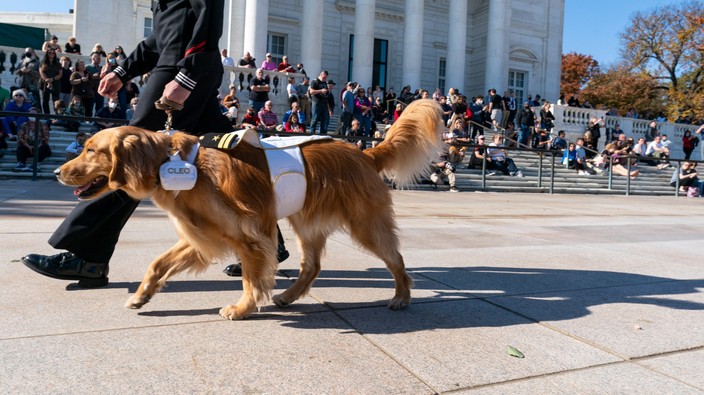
602,294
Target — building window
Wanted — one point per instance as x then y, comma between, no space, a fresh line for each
148,27
379,63
517,83
276,46
442,67
379,66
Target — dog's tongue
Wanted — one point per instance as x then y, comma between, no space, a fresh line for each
80,189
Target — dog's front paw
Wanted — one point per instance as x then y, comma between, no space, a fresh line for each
232,312
399,303
136,302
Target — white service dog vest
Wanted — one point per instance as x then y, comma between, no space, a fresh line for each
283,155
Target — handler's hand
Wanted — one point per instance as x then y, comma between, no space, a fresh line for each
110,85
175,92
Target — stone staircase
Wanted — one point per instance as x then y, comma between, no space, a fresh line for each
58,141
650,182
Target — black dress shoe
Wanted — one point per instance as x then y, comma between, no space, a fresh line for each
68,266
235,270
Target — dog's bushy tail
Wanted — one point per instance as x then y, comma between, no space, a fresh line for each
411,143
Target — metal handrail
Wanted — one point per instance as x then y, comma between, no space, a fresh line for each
540,152
39,116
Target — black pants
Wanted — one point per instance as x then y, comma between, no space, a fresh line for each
23,153
93,228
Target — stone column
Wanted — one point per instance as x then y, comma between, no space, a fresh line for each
497,45
363,56
413,44
553,52
232,38
312,36
456,47
233,34
256,28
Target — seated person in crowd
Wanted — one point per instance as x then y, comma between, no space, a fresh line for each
657,150
511,133
444,168
398,111
688,176
285,66
355,128
569,156
379,114
250,119
19,103
580,162
59,109
559,142
478,156
247,61
111,111
617,162
541,140
72,46
500,160
229,99
268,63
76,108
25,142
76,147
293,125
52,44
295,109
640,147
268,121
232,112
132,108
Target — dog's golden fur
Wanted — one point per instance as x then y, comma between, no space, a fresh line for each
232,207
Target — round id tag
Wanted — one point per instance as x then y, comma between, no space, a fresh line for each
177,174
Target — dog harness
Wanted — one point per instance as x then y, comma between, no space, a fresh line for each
283,155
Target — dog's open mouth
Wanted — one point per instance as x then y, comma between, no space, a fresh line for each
90,188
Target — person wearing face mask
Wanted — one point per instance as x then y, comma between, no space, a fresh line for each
110,65
112,111
28,74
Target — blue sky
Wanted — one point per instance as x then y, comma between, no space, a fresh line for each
591,26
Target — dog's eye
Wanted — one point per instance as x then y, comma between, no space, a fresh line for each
90,150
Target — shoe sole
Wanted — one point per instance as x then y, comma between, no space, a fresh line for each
232,273
82,281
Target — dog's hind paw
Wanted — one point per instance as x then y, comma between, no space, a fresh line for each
279,301
399,303
135,302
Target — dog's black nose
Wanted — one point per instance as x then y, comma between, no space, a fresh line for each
57,171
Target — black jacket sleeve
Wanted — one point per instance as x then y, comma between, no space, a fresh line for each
202,49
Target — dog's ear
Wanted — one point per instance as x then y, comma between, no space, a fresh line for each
122,152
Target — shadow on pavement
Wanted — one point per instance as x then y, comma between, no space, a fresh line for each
524,295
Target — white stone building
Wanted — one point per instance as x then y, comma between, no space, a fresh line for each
473,45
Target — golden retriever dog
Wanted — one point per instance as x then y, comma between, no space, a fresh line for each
231,208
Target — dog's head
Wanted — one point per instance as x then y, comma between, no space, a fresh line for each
126,158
